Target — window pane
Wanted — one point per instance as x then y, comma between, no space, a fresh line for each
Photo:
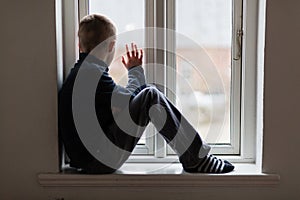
125,20
204,70
128,16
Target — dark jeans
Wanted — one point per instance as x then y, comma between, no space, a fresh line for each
151,105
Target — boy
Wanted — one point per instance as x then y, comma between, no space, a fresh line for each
124,112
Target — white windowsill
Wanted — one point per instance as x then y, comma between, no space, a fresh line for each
160,175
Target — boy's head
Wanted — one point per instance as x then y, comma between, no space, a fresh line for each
93,30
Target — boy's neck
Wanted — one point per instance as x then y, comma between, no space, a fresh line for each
83,55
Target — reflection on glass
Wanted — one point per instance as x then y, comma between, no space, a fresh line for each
209,24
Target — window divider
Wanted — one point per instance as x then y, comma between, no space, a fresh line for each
171,55
159,66
236,75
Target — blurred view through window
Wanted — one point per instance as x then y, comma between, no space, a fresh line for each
209,24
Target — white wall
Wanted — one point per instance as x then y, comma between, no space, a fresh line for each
28,108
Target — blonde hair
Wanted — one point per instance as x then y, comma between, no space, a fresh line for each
94,29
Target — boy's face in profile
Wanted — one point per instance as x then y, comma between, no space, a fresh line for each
111,52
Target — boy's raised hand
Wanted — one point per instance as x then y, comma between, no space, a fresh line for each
133,58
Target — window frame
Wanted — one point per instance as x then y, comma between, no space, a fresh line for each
73,10
233,148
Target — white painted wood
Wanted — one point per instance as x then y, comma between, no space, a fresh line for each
83,8
170,177
70,40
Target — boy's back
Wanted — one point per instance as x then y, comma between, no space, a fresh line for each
79,156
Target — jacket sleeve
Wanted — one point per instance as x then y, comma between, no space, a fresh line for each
120,96
136,81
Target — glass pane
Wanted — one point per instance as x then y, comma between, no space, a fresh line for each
125,20
128,16
204,66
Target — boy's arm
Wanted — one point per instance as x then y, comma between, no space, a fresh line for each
136,78
133,62
136,82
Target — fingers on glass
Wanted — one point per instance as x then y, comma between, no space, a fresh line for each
132,50
141,54
123,60
127,51
136,51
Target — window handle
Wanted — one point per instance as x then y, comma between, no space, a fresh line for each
239,35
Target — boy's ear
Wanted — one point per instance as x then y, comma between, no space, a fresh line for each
79,46
111,46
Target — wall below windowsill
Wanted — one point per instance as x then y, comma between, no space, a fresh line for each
160,175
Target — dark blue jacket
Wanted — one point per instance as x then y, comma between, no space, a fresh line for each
78,154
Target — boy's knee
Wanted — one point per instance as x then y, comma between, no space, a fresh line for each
152,91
